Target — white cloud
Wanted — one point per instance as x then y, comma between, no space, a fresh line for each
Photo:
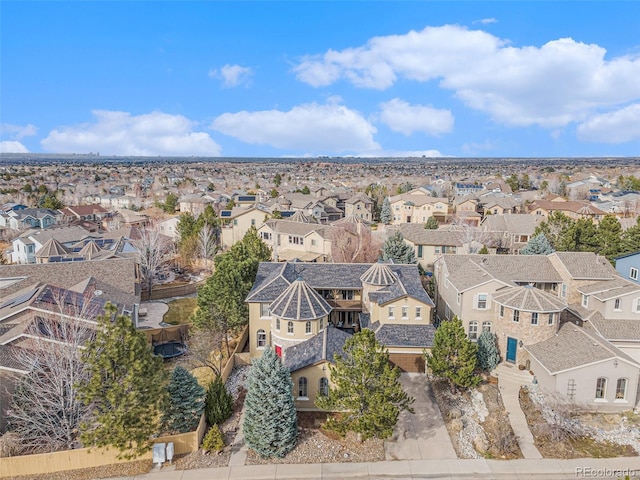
562,81
309,127
10,146
17,132
486,21
232,75
401,117
619,126
120,133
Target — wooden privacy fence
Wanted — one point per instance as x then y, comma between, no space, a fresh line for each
234,361
168,291
95,457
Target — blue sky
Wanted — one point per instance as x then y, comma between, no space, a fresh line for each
274,79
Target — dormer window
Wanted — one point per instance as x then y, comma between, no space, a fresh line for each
585,301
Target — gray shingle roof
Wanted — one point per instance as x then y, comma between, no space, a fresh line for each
300,302
529,299
574,347
586,265
322,346
417,234
397,335
609,289
618,329
468,271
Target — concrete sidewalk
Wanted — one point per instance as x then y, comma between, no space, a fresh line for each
510,390
421,435
612,468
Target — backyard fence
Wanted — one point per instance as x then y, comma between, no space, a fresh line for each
168,291
95,457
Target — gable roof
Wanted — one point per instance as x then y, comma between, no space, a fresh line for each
586,265
418,235
574,347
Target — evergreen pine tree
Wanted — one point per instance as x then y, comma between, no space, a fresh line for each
395,248
609,237
366,386
432,223
213,441
126,388
185,402
453,356
219,403
270,424
385,213
538,245
483,251
488,355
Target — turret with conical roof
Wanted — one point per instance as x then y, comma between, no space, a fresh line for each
379,275
300,302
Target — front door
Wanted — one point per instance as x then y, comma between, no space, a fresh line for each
512,344
279,350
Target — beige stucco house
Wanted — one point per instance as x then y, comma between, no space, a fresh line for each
237,222
416,207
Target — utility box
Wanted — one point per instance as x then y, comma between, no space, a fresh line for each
159,453
170,451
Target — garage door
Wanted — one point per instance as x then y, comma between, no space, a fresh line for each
408,362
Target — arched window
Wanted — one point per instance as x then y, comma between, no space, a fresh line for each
302,387
601,388
323,386
262,338
307,328
473,331
621,389
290,327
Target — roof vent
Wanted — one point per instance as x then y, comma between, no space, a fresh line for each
97,293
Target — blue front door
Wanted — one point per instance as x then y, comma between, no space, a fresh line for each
512,344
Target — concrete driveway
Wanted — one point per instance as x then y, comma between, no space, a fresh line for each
421,435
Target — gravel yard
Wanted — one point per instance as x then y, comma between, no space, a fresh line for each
316,447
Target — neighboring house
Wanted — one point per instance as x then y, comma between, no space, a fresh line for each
294,238
497,204
461,189
528,300
168,227
360,206
306,312
22,218
513,230
628,266
572,209
237,222
92,213
27,245
416,207
429,245
194,204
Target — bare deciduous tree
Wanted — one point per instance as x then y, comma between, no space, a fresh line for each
207,243
45,411
472,238
353,243
206,348
153,253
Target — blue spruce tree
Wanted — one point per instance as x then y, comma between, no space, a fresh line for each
385,212
397,250
488,355
185,402
270,424
538,245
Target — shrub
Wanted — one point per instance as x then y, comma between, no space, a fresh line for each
219,403
213,441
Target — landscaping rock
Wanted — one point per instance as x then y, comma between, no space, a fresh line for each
457,425
480,443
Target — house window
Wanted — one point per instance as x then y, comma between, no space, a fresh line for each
633,273
277,324
303,390
235,222
347,294
290,327
552,318
253,222
501,311
436,250
458,297
486,326
264,310
482,301
473,331
405,313
418,313
585,301
262,338
564,291
313,242
391,313
321,326
638,305
621,389
307,328
295,240
419,251
447,311
616,305
516,316
534,318
323,386
601,388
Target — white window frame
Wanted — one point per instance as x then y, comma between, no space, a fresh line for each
501,311
486,326
261,338
637,305
473,331
516,316
307,328
418,313
303,388
534,318
277,324
405,312
601,390
585,300
563,291
263,307
633,273
323,386
486,301
391,312
622,398
552,319
617,305
290,328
